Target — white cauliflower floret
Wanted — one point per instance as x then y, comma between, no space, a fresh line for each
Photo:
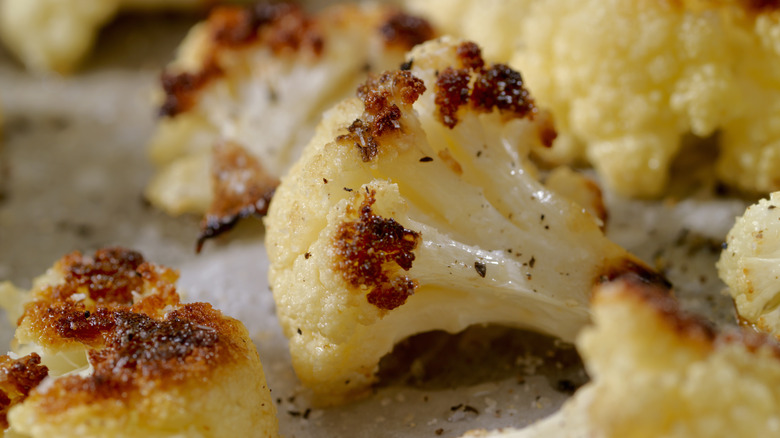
246,92
626,80
415,208
749,264
658,373
55,35
125,358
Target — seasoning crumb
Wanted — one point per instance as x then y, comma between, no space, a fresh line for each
307,255
407,65
325,180
426,159
300,332
481,268
532,262
439,431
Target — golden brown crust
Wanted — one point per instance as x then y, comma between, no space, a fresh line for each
242,188
154,343
17,378
484,88
370,249
282,27
381,116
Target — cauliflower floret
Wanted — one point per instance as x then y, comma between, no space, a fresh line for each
626,80
748,264
415,208
658,373
246,92
126,359
55,35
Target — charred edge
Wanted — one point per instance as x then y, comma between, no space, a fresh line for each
111,276
381,116
502,88
666,306
452,92
140,350
233,27
213,225
635,272
406,31
20,377
365,247
181,89
470,55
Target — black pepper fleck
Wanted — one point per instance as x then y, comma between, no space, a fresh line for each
481,268
407,65
532,262
347,189
307,255
426,159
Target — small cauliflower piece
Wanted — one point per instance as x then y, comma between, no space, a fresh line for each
749,265
626,80
415,208
659,373
55,35
125,358
246,92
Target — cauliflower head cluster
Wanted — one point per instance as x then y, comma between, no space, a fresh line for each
55,35
415,208
246,92
659,373
748,264
104,347
627,80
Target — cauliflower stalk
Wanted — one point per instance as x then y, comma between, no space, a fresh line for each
110,351
748,264
658,373
55,35
248,88
627,80
415,208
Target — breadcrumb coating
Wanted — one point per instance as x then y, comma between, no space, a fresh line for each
125,358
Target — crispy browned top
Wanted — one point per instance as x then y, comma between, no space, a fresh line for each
369,252
154,342
282,27
142,352
111,276
242,188
484,88
381,96
17,378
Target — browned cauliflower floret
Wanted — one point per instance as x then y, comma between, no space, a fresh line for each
248,88
55,35
126,359
658,373
415,208
626,80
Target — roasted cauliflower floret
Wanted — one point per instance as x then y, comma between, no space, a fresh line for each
626,80
246,92
415,208
658,373
125,358
748,264
55,35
